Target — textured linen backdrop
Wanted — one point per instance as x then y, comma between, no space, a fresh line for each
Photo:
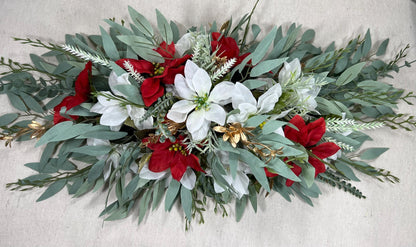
386,218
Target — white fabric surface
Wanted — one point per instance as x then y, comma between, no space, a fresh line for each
386,218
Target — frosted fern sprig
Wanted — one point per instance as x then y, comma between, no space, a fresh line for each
136,75
223,70
95,58
202,52
338,125
342,145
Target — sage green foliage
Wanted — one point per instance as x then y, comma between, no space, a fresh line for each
351,87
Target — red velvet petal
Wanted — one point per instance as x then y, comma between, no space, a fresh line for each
69,102
294,135
297,170
270,174
316,130
82,84
167,51
160,160
148,101
159,146
171,73
141,66
319,166
326,149
192,161
178,167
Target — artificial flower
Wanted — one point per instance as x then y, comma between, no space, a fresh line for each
239,183
82,92
306,89
173,156
113,112
201,103
226,47
243,100
308,135
158,73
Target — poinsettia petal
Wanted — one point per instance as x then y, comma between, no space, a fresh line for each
201,82
222,93
319,166
167,51
114,81
188,179
105,101
195,120
170,74
113,116
198,125
82,84
295,135
148,174
297,170
150,86
241,94
289,69
141,66
179,111
192,161
267,100
184,43
183,89
326,149
151,90
216,114
316,130
190,70
178,167
240,184
161,160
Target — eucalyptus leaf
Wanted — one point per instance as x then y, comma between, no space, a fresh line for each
164,27
109,46
372,153
8,118
52,189
186,201
350,74
171,194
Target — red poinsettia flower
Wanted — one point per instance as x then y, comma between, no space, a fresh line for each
172,155
151,88
82,92
227,47
308,136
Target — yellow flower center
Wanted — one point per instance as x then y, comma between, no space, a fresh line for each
157,70
176,147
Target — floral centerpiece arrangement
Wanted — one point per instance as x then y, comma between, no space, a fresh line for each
211,114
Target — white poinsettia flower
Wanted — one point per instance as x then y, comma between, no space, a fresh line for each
112,160
306,88
113,113
184,43
244,100
290,71
202,104
240,182
188,179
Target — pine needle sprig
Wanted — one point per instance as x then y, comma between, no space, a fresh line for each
132,72
223,70
339,125
342,145
330,178
87,56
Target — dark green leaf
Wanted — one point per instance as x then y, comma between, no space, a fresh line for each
8,118
52,189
